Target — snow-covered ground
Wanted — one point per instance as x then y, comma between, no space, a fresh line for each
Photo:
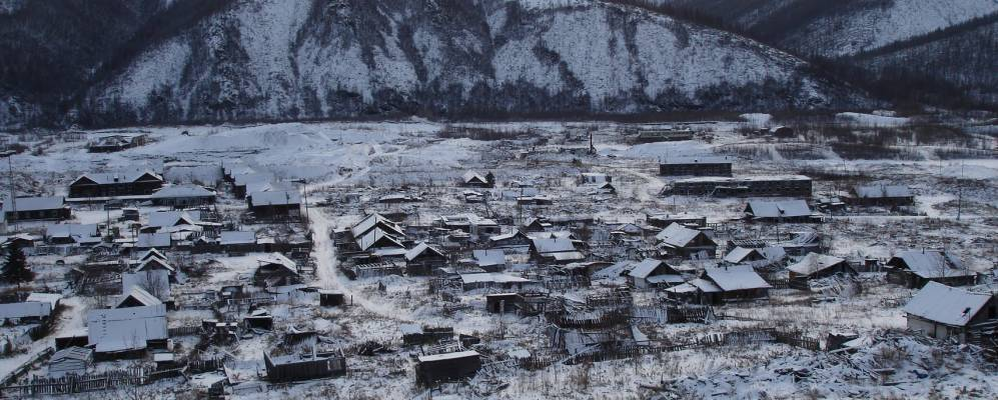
374,159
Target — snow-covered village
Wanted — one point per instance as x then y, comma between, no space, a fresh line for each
499,199
521,260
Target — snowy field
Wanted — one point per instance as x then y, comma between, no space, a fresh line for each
413,157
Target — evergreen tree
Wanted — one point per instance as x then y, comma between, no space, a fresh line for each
15,270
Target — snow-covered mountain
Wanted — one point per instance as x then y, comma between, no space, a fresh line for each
293,59
844,27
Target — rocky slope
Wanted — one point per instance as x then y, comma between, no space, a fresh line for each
294,59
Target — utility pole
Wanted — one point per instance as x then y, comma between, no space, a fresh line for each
959,196
304,185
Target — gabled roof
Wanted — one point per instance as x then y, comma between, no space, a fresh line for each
182,191
738,277
138,294
375,236
70,230
116,177
645,267
34,203
152,253
160,219
814,262
778,209
375,220
931,263
553,245
492,277
252,177
277,198
279,260
50,298
506,236
882,191
613,271
421,248
152,263
474,177
155,281
739,254
946,305
676,235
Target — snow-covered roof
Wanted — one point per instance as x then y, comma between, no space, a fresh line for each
553,245
615,270
107,178
70,230
182,191
371,221
34,203
146,240
506,236
252,177
494,277
665,278
488,258
566,256
160,219
737,277
152,263
676,235
158,281
757,178
139,294
739,254
644,268
152,253
25,309
371,238
237,237
119,329
419,249
946,305
277,198
704,159
278,259
51,298
472,176
448,356
814,262
932,263
778,209
882,191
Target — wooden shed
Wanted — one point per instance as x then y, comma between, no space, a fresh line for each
446,367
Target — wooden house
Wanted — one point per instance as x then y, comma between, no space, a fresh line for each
275,270
36,209
128,331
779,211
72,234
110,185
882,195
277,204
557,250
680,241
723,284
945,312
815,266
653,273
183,196
70,361
510,240
423,259
436,368
298,367
474,179
915,268
24,312
685,219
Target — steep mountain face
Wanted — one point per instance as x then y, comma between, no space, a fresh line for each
958,64
50,48
844,27
293,59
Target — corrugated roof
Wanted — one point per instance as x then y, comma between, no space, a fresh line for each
676,235
129,328
946,305
140,295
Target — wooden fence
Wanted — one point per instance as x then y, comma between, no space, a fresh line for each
109,380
